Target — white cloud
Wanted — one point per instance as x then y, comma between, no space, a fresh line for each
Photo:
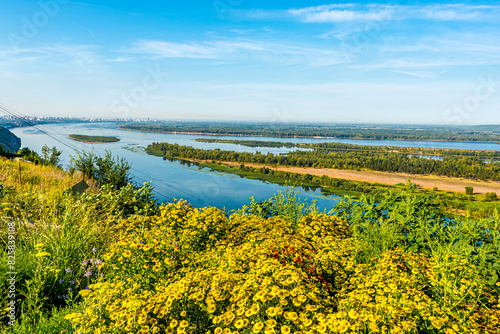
242,31
452,12
412,63
422,74
338,13
119,59
78,54
237,50
197,50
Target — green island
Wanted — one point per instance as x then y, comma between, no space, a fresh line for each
351,157
114,253
479,133
94,139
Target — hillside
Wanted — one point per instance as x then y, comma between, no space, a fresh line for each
395,265
10,141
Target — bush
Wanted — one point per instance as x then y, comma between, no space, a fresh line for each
469,190
285,205
104,170
49,157
491,196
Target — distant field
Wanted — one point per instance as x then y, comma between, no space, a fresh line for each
94,139
424,181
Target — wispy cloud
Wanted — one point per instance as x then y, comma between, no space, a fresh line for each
423,74
479,45
76,54
415,63
237,49
80,54
197,50
338,13
451,12
242,32
119,59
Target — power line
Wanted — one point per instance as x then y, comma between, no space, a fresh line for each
12,112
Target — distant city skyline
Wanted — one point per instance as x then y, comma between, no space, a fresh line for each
396,62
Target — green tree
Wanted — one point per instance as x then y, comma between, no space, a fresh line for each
105,170
469,190
5,152
51,156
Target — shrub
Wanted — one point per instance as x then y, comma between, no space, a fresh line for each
491,196
469,190
104,170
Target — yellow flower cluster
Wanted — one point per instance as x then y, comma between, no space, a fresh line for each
198,271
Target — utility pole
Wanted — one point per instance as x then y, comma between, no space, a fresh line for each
20,178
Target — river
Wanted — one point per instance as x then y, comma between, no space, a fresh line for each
199,186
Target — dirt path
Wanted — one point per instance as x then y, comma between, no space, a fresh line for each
424,181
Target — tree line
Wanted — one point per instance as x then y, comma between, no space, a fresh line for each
385,132
471,167
434,152
249,143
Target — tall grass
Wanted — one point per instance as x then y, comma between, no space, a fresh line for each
59,239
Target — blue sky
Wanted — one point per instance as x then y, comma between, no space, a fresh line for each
276,61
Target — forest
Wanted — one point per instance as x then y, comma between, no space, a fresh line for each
355,131
466,164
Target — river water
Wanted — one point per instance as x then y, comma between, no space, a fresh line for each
199,186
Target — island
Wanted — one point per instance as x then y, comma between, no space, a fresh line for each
94,139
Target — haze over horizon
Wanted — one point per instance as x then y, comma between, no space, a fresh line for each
316,61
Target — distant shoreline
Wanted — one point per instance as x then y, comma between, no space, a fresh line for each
311,137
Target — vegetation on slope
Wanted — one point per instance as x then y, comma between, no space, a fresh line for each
281,267
9,142
113,261
58,239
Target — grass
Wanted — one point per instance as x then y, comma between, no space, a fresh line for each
56,235
162,258
44,179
